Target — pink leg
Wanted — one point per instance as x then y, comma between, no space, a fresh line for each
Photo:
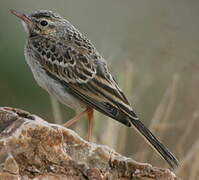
89,112
90,123
75,119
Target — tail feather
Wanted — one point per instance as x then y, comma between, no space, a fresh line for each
119,112
155,143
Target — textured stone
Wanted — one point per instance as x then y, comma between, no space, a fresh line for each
31,148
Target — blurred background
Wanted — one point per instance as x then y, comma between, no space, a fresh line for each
152,48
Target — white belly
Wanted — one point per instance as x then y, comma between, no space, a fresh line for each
53,87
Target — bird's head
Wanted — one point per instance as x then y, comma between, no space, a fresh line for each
41,22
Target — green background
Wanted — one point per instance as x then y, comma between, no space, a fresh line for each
152,49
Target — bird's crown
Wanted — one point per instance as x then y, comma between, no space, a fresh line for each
45,14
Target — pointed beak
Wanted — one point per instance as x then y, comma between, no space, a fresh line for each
22,16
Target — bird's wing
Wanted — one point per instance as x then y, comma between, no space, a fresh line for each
84,74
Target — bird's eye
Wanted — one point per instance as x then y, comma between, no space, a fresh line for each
44,23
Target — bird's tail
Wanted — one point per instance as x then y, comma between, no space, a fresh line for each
155,143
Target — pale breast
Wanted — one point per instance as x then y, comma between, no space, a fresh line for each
52,86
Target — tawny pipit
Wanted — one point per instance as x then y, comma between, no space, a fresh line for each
68,66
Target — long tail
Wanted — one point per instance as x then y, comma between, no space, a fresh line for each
118,111
155,143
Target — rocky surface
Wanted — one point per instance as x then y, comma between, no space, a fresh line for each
31,148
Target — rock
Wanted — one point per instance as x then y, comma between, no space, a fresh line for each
31,148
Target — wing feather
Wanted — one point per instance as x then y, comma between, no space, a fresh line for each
86,76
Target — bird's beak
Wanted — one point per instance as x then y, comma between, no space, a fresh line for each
22,16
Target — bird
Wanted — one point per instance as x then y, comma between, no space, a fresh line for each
68,66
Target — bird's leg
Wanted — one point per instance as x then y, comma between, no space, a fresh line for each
89,112
90,123
75,119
